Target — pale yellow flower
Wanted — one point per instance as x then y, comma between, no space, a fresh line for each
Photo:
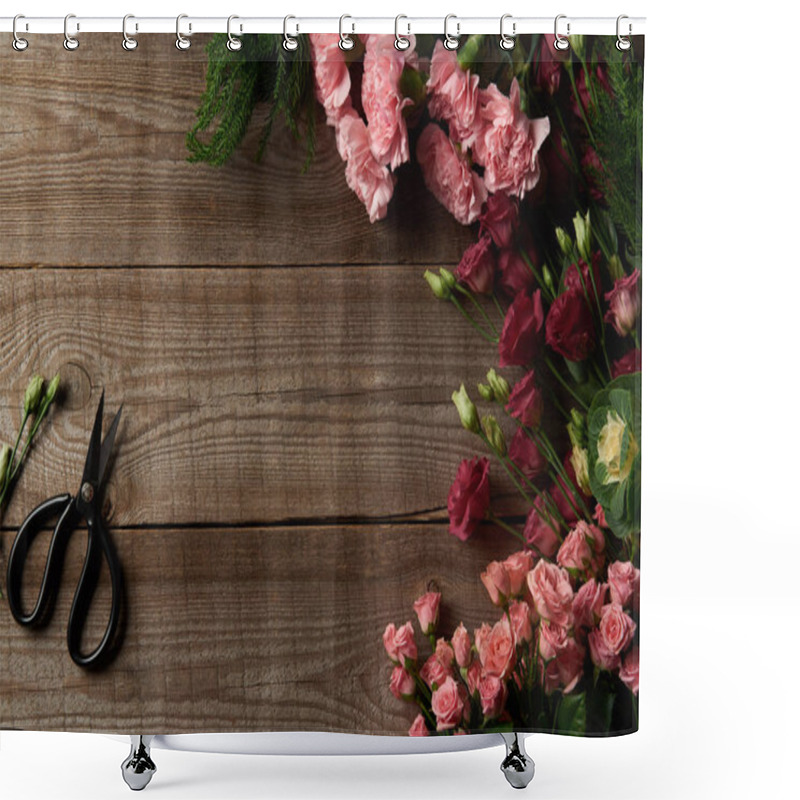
580,463
609,449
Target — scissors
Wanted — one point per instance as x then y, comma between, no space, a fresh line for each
71,511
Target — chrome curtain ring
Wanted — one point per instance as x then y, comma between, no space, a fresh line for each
128,42
451,42
623,42
181,42
561,42
18,43
345,42
289,42
507,42
401,42
234,43
70,42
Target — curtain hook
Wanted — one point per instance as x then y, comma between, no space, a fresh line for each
561,42
234,43
128,42
623,42
19,44
182,43
507,42
451,42
345,42
289,42
401,42
70,42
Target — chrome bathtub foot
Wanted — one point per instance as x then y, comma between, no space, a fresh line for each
517,766
138,768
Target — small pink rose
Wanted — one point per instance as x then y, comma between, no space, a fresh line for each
447,703
400,643
623,583
468,500
600,516
497,583
427,608
542,529
613,634
500,220
402,684
462,648
582,549
476,268
493,694
496,650
561,657
520,613
418,727
526,401
588,603
520,339
602,656
629,671
474,673
453,94
624,303
525,454
551,591
518,565
433,672
445,653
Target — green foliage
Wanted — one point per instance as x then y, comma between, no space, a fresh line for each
261,71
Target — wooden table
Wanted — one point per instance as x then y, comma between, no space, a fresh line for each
288,440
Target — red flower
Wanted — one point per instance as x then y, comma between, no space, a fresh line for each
522,330
468,500
630,362
569,326
592,170
624,303
500,219
476,268
516,277
575,279
525,454
525,402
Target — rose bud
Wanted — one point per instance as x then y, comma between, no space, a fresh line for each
500,386
583,235
402,684
5,457
495,435
466,410
418,727
564,242
438,286
448,277
52,389
579,458
485,392
427,608
33,394
461,646
497,582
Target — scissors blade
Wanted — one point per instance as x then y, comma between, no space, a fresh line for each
91,470
108,446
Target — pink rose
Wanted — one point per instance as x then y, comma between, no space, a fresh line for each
445,653
562,658
507,142
624,303
462,648
569,327
401,684
427,608
520,613
500,220
400,643
629,671
418,727
383,103
433,672
582,548
448,175
588,603
611,637
516,277
496,650
542,529
372,183
331,76
551,591
629,363
518,565
600,516
623,583
468,500
448,703
474,672
493,694
476,268
454,94
522,328
526,402
525,454
497,583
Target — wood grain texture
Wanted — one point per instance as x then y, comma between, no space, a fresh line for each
258,629
250,395
95,174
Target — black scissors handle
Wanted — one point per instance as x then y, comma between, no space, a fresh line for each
99,547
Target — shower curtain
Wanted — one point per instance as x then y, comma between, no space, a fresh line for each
374,315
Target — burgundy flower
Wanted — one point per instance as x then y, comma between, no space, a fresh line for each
547,63
525,454
578,276
468,500
592,170
570,327
542,529
500,219
624,303
522,328
630,362
476,268
516,277
525,402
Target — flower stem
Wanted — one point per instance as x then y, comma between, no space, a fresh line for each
561,380
544,287
471,321
473,300
506,527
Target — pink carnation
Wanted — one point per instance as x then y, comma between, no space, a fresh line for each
448,175
331,76
454,95
507,143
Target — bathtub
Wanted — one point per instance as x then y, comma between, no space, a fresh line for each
139,767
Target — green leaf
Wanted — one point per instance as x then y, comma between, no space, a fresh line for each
600,706
571,716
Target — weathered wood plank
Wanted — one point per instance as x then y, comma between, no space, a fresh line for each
251,395
95,173
258,629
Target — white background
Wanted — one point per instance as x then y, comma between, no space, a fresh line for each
721,545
